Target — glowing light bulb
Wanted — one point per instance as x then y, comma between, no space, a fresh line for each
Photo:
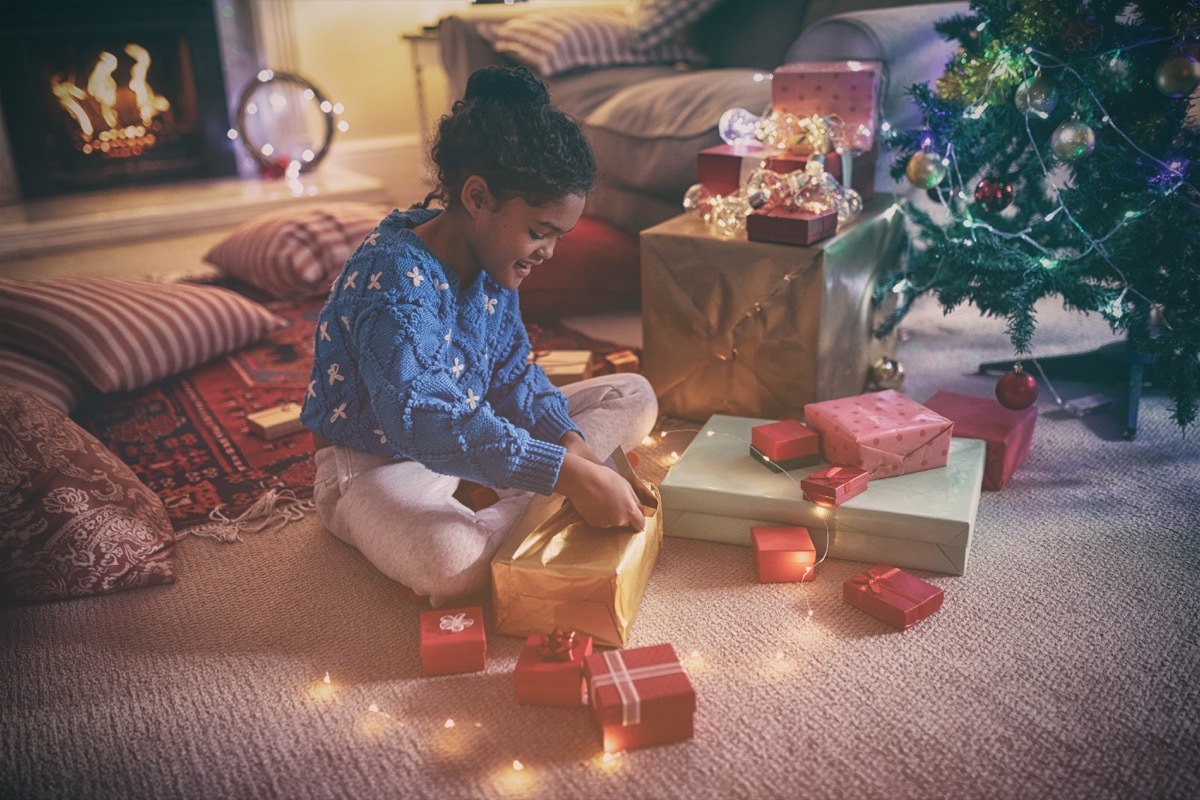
673,458
327,678
326,106
648,441
232,134
374,709
265,75
449,724
517,765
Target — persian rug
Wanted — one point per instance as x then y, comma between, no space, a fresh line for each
187,437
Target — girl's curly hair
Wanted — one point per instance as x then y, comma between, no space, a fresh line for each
505,130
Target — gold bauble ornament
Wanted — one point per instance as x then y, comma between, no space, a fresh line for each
925,170
887,373
1073,140
1178,76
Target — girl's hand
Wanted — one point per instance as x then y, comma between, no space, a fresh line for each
601,496
575,444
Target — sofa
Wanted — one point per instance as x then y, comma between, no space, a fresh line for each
647,121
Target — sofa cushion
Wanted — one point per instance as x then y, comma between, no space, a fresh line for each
122,334
74,519
595,268
647,136
51,383
653,22
553,42
292,253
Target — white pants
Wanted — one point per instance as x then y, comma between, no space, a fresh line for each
404,518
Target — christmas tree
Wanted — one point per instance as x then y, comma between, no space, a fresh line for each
1060,159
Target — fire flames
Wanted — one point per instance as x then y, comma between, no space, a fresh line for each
115,121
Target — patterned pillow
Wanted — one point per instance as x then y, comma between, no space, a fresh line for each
656,21
58,388
124,334
74,519
551,42
292,253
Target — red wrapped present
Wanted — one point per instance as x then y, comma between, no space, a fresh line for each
641,697
785,445
453,641
886,433
790,226
549,671
834,485
783,553
1009,434
897,598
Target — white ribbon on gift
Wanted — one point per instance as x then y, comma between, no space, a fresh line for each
625,680
456,623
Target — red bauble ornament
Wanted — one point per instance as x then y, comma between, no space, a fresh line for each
1016,390
993,195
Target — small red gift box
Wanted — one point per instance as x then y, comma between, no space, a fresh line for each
549,671
453,641
790,226
785,445
1009,434
897,598
835,485
783,554
886,433
641,697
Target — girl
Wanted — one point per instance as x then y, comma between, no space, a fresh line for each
421,374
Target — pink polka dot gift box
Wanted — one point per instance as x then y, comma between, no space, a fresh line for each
886,433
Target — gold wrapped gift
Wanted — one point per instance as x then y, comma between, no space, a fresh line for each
756,329
556,571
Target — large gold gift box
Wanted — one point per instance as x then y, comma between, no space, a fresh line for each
755,329
556,571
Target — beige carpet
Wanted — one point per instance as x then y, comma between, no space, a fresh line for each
1064,664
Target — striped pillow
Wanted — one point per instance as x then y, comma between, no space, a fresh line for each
551,42
656,21
290,254
124,334
60,389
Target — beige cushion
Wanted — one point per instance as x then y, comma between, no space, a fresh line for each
647,136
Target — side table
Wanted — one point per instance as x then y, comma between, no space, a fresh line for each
754,329
420,43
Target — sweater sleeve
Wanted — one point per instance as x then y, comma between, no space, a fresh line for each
521,392
429,415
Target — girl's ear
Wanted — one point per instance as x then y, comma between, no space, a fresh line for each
475,195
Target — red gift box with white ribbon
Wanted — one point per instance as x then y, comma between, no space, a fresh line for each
453,641
641,697
893,595
549,671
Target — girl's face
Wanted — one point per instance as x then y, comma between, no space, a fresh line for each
513,238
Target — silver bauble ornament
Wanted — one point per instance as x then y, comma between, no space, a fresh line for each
887,373
1178,76
1036,95
1073,140
925,170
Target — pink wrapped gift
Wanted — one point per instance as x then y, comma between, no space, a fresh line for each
886,433
849,89
1009,434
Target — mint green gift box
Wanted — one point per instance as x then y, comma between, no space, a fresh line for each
717,491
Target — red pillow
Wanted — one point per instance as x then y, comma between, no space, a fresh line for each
595,268
74,519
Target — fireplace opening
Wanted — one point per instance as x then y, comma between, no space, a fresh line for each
120,95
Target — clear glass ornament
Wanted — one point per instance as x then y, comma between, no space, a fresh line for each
729,216
1073,140
765,189
1036,95
697,201
738,126
849,206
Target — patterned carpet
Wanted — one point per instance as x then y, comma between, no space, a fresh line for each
187,437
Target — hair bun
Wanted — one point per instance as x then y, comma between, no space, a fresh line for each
510,84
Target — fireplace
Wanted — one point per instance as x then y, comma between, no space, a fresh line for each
100,95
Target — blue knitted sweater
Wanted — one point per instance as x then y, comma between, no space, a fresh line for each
410,363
